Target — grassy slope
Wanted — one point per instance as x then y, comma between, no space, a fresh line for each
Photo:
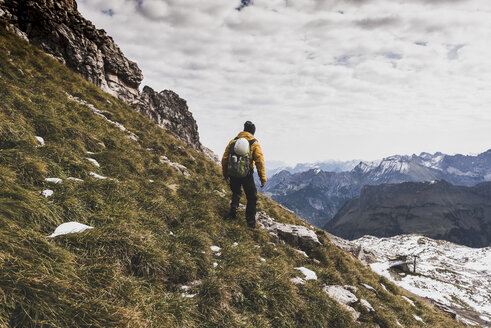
129,269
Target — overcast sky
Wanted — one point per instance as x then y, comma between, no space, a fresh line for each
321,79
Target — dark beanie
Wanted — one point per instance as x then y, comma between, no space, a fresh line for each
249,127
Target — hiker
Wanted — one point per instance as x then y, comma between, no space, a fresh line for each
238,168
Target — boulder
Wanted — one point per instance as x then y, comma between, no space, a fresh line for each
294,235
341,294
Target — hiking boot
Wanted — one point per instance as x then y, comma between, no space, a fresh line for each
232,215
251,223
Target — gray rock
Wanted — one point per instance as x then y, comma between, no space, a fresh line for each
355,314
367,305
170,112
341,294
294,235
344,296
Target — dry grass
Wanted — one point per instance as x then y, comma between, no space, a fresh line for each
149,238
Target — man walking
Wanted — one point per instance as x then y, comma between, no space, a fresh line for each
238,167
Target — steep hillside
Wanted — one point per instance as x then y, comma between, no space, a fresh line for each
437,210
317,195
70,152
57,28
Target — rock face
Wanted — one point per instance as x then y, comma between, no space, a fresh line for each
57,28
437,210
170,112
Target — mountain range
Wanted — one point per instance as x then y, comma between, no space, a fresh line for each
273,167
317,195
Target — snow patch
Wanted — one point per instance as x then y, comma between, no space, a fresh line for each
418,318
447,273
68,228
93,161
215,264
97,176
215,248
453,170
101,113
40,140
408,300
75,179
309,274
53,180
47,193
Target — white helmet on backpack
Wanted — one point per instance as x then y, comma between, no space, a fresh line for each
241,146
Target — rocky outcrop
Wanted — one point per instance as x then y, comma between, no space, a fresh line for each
170,112
57,28
294,235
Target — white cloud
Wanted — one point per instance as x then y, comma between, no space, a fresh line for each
365,79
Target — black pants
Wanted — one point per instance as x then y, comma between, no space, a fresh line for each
250,190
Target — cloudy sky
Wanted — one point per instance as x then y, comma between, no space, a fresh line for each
321,79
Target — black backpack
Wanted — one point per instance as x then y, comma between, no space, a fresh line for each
239,165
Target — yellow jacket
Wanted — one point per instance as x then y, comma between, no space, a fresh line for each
256,156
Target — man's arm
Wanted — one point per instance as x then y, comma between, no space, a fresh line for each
259,160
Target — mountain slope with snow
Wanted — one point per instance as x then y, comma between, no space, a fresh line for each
456,276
